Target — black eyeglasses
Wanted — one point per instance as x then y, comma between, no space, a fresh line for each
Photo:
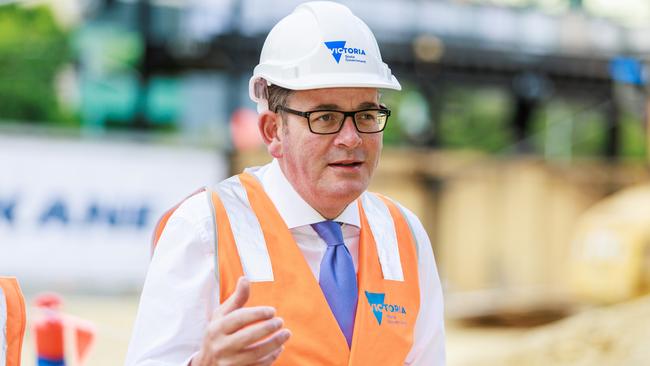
327,122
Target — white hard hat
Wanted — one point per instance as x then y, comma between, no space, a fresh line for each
320,45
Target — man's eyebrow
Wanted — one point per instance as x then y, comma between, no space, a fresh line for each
368,105
363,105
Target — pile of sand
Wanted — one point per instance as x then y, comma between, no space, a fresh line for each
614,335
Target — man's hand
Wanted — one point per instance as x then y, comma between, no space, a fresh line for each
242,336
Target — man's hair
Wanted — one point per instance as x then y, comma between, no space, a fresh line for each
277,96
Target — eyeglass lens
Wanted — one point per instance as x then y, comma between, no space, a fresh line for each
331,121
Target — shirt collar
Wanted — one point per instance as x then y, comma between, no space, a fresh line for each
292,208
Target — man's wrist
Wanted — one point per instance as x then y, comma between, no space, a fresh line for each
195,360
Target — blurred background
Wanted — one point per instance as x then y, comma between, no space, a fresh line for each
520,139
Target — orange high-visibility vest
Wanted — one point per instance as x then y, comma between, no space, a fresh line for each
253,240
12,321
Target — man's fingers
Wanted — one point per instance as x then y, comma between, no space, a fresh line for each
264,349
268,359
240,318
237,299
246,337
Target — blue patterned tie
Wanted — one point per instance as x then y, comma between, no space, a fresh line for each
337,277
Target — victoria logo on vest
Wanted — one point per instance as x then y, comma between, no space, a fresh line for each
394,313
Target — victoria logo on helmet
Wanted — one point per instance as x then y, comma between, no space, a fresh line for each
352,54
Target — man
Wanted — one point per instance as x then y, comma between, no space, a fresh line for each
294,263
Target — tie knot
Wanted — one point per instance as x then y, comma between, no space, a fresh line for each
330,231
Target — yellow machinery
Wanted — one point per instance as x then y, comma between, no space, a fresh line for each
610,254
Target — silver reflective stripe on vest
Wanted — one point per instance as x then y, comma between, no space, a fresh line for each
383,230
246,230
416,242
208,195
3,329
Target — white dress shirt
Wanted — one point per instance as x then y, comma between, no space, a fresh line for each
181,290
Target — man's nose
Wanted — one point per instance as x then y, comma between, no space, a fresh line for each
348,136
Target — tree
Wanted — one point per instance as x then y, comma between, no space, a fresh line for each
33,47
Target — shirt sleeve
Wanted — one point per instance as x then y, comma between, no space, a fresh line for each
180,290
429,334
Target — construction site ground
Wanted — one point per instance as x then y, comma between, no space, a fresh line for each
613,335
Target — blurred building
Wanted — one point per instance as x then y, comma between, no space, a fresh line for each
517,70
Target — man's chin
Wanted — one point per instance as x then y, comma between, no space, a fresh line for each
344,191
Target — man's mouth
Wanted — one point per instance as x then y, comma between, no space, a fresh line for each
346,164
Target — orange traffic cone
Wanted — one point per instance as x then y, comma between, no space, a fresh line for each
48,331
54,332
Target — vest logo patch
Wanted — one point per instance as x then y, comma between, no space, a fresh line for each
394,313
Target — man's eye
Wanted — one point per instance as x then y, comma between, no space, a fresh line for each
326,117
366,116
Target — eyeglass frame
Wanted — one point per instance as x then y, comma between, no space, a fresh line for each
352,114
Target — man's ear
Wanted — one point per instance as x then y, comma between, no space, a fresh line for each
270,125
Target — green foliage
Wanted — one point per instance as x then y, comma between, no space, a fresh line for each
112,47
393,134
32,50
475,119
565,128
633,137
479,119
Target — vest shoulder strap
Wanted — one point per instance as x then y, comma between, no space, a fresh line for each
12,321
252,249
384,231
246,230
404,215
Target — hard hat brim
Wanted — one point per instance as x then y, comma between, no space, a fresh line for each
323,81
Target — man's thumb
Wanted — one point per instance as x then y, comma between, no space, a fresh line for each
238,298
